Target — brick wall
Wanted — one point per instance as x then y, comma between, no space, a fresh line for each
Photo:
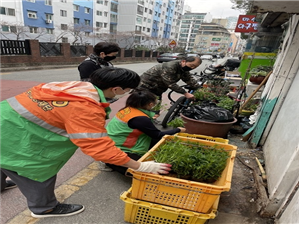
65,59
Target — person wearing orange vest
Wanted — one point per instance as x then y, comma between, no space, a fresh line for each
132,128
43,127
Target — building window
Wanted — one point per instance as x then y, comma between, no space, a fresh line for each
33,1
113,18
49,30
87,10
106,14
32,14
64,40
48,2
64,26
87,22
7,11
76,20
99,13
76,8
106,3
64,1
99,24
5,28
33,30
100,2
63,13
87,34
48,16
105,25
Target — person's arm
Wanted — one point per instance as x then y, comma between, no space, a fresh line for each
91,136
170,76
145,125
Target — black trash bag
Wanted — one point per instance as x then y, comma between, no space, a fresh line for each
209,111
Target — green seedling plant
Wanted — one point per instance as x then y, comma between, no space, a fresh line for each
177,122
200,162
226,103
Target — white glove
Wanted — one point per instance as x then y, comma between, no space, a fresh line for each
154,167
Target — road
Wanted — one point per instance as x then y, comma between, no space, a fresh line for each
68,74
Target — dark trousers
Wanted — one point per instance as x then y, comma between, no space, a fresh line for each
40,195
122,169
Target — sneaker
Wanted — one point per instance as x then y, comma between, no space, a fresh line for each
61,210
9,185
104,167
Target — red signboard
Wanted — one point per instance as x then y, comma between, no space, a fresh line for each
246,23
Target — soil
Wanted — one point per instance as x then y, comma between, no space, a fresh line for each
244,197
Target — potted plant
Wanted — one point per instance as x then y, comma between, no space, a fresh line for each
192,161
258,73
211,128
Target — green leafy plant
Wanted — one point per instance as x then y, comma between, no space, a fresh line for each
200,162
177,122
226,103
260,70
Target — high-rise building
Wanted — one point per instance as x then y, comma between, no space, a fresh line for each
148,23
190,23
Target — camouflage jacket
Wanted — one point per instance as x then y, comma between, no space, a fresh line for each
166,75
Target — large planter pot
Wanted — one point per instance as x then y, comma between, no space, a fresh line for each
256,79
215,129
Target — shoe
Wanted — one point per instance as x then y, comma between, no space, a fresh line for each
61,210
104,167
9,185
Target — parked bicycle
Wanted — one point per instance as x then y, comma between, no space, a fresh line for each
182,103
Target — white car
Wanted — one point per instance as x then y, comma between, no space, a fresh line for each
206,57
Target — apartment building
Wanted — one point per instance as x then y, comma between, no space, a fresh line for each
149,23
152,22
212,37
190,23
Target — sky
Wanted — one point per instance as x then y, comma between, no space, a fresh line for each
217,8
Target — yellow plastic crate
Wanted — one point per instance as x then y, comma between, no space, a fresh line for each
208,138
180,193
141,212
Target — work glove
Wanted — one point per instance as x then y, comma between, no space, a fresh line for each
154,167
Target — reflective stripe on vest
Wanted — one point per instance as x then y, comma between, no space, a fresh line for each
34,119
13,102
87,135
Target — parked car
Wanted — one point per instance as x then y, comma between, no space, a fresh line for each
165,57
206,57
193,55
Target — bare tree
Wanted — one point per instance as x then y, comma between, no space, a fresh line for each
17,30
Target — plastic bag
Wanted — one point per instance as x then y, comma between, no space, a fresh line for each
209,111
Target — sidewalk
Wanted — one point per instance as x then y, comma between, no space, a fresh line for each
81,182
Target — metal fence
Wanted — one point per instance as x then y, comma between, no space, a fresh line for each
14,47
78,51
50,49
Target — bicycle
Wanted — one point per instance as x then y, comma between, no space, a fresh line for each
182,103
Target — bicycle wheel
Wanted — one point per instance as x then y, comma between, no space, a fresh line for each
174,111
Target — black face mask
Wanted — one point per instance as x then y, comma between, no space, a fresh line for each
109,58
186,68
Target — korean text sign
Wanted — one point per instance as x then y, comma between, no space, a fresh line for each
246,23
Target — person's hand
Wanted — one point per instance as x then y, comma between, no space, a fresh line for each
154,167
189,96
182,129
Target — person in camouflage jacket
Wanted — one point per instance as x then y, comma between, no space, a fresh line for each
166,75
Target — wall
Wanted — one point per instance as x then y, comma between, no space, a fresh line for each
65,59
279,132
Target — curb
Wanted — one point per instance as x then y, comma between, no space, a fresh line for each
62,192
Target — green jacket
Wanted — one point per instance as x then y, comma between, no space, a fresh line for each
42,128
127,139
